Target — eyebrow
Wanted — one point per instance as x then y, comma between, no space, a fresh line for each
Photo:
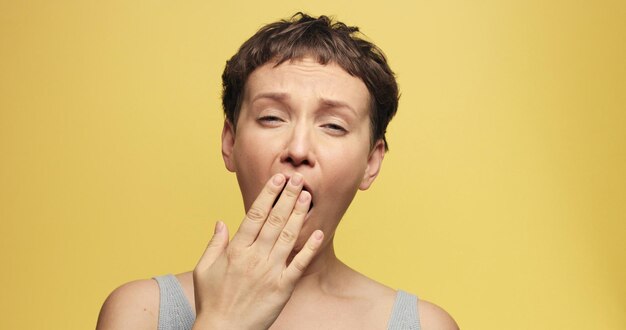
273,96
326,103
337,104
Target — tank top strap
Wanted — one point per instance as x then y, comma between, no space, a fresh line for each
404,315
175,313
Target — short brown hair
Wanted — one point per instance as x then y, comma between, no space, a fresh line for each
325,40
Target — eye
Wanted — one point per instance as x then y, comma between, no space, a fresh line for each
270,120
336,129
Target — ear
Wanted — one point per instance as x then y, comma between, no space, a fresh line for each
374,162
228,142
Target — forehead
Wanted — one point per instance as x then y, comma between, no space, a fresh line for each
307,79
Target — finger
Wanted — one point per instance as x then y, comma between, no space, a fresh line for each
291,231
277,219
256,215
302,260
216,246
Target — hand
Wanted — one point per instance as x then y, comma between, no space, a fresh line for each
245,283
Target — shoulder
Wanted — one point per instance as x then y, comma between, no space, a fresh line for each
134,305
434,317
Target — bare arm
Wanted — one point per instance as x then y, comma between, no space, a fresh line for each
433,317
134,305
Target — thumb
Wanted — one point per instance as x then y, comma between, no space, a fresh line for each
216,245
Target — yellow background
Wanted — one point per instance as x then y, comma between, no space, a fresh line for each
503,197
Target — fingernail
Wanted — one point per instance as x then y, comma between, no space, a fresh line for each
318,234
304,197
296,179
218,227
278,179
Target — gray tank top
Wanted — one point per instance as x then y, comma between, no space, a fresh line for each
175,313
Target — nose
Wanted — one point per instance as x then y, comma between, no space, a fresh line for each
299,150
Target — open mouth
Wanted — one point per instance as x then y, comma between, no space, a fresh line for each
304,189
310,193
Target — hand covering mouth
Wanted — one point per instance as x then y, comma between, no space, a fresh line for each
305,188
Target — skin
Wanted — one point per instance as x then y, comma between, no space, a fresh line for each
304,130
311,119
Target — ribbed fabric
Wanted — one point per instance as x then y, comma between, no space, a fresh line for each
175,312
404,315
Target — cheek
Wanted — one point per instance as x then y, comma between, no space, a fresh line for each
344,173
252,167
251,149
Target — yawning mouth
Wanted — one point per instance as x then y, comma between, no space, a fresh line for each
304,189
310,193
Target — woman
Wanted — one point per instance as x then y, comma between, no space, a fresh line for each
307,104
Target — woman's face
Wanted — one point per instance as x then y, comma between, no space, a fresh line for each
309,118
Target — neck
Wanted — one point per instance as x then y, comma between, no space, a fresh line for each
325,272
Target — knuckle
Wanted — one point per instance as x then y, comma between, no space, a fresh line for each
287,236
290,193
276,220
213,243
299,265
298,212
311,247
272,190
255,214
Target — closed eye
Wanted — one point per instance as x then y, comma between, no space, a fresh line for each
336,128
270,120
